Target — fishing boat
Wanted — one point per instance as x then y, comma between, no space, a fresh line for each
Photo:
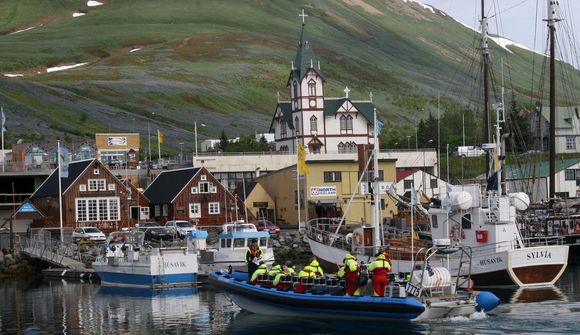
430,293
127,261
229,249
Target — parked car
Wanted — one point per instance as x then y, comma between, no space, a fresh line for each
155,232
469,151
88,233
267,226
181,227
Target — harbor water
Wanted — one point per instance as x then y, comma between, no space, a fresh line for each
73,307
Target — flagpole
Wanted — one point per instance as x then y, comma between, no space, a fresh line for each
3,121
60,192
298,181
412,237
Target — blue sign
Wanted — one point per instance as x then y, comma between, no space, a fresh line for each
27,208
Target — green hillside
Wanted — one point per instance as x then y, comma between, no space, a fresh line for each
221,63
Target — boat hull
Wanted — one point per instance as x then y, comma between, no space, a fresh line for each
158,270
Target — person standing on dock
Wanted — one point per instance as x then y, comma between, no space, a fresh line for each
253,257
351,269
380,269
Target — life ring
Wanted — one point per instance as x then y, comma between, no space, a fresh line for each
357,238
319,237
455,232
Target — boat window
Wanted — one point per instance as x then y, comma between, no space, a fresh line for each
263,241
466,221
223,243
229,242
434,221
239,242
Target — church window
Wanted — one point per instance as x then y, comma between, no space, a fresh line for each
312,88
295,87
349,122
282,127
346,124
297,125
313,123
341,148
350,147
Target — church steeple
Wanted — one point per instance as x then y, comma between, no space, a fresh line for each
305,58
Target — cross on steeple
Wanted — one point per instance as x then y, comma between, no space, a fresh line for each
303,16
346,90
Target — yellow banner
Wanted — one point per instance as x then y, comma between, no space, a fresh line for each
160,136
302,167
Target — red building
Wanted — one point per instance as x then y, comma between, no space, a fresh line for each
193,194
91,196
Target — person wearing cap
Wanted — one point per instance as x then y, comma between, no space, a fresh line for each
253,257
351,273
380,269
288,268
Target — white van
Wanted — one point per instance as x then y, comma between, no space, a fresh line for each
469,151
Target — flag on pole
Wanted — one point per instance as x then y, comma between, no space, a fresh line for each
160,136
302,167
62,163
3,118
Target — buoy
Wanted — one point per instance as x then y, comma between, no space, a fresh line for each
486,301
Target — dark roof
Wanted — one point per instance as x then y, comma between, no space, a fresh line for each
50,186
250,184
405,173
286,108
535,169
305,58
364,107
168,184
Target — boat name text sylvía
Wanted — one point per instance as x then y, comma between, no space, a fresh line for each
538,254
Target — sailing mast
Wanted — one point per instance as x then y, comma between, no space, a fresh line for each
485,60
552,31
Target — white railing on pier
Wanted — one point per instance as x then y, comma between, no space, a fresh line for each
64,254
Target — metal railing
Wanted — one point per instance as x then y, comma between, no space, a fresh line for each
64,254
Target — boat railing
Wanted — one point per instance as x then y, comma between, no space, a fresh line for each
323,230
542,241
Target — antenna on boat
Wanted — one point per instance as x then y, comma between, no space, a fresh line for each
485,59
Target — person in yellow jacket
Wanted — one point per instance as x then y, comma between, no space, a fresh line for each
307,272
276,269
351,269
380,269
287,270
261,270
315,266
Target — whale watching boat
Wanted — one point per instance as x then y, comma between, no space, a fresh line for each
127,261
430,293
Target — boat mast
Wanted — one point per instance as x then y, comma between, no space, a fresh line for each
485,60
552,31
376,190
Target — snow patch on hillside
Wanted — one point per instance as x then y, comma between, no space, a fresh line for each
64,67
77,14
135,50
21,30
93,3
12,75
421,4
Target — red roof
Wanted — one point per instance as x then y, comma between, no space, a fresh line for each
405,173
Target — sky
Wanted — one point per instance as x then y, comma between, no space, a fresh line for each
516,19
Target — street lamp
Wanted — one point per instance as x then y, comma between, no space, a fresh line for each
195,132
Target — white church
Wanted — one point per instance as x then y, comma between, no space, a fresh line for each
321,124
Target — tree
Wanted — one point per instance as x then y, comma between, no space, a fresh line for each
224,142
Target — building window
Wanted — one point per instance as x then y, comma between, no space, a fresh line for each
203,177
408,184
194,190
349,123
144,213
98,209
346,147
570,143
112,187
194,211
203,187
96,171
346,124
312,88
341,148
369,175
282,127
295,88
332,176
434,183
214,207
313,123
297,125
82,187
97,184
157,211
570,174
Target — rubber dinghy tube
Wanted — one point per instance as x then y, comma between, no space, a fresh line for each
486,301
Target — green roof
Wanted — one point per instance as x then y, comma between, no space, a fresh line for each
305,58
365,107
286,109
564,115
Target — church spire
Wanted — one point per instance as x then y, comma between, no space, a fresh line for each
305,58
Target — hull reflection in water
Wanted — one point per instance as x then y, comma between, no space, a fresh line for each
531,295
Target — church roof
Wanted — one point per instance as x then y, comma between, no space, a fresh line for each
365,107
286,108
305,58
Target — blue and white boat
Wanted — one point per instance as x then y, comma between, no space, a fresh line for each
430,293
231,246
128,262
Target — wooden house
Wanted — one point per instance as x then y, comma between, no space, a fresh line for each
91,195
195,195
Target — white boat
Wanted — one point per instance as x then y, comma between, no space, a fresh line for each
487,224
127,261
231,246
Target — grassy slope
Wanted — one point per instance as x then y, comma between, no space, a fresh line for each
221,62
